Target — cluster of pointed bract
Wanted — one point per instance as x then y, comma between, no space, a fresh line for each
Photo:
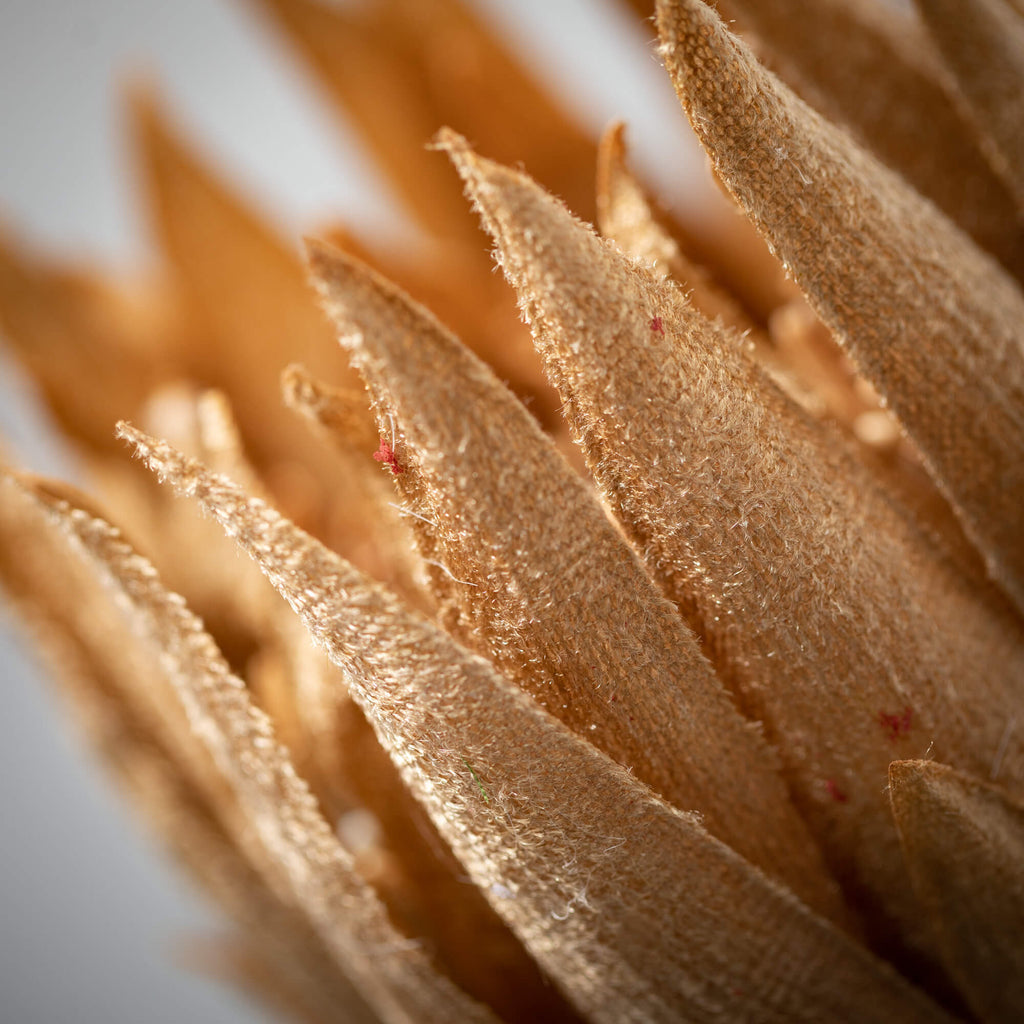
720,720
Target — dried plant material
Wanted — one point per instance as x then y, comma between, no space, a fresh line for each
243,289
219,440
891,91
73,610
621,898
400,68
275,933
820,376
426,890
402,985
94,350
113,686
931,322
341,410
625,215
366,527
349,50
807,346
964,843
232,599
458,286
743,508
513,533
407,863
468,928
982,42
584,753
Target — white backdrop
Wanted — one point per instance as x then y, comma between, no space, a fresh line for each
90,914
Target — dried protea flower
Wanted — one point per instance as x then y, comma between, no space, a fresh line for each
668,668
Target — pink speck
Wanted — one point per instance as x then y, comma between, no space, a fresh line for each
657,327
386,455
898,724
835,792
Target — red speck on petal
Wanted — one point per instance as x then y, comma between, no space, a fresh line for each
657,326
897,724
835,792
386,455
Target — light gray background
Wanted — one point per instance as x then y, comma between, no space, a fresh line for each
90,913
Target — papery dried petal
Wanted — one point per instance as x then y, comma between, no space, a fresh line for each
546,586
94,350
930,321
401,68
245,294
964,843
821,606
310,864
635,911
109,678
982,42
625,214
871,68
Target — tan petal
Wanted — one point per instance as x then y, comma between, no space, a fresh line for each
397,980
69,602
626,215
546,586
828,615
245,291
342,410
871,68
800,354
457,285
635,911
94,350
366,527
110,680
424,887
982,42
964,843
929,320
277,933
401,68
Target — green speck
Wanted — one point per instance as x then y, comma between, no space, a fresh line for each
479,784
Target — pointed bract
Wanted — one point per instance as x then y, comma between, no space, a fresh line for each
243,289
964,844
341,410
930,321
401,983
94,351
820,606
625,215
108,675
870,67
633,909
400,68
982,42
517,535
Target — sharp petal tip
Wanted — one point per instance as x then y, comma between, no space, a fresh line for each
322,258
450,141
134,437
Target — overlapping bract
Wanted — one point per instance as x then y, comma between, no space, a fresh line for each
684,729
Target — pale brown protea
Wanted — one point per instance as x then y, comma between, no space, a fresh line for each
717,722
